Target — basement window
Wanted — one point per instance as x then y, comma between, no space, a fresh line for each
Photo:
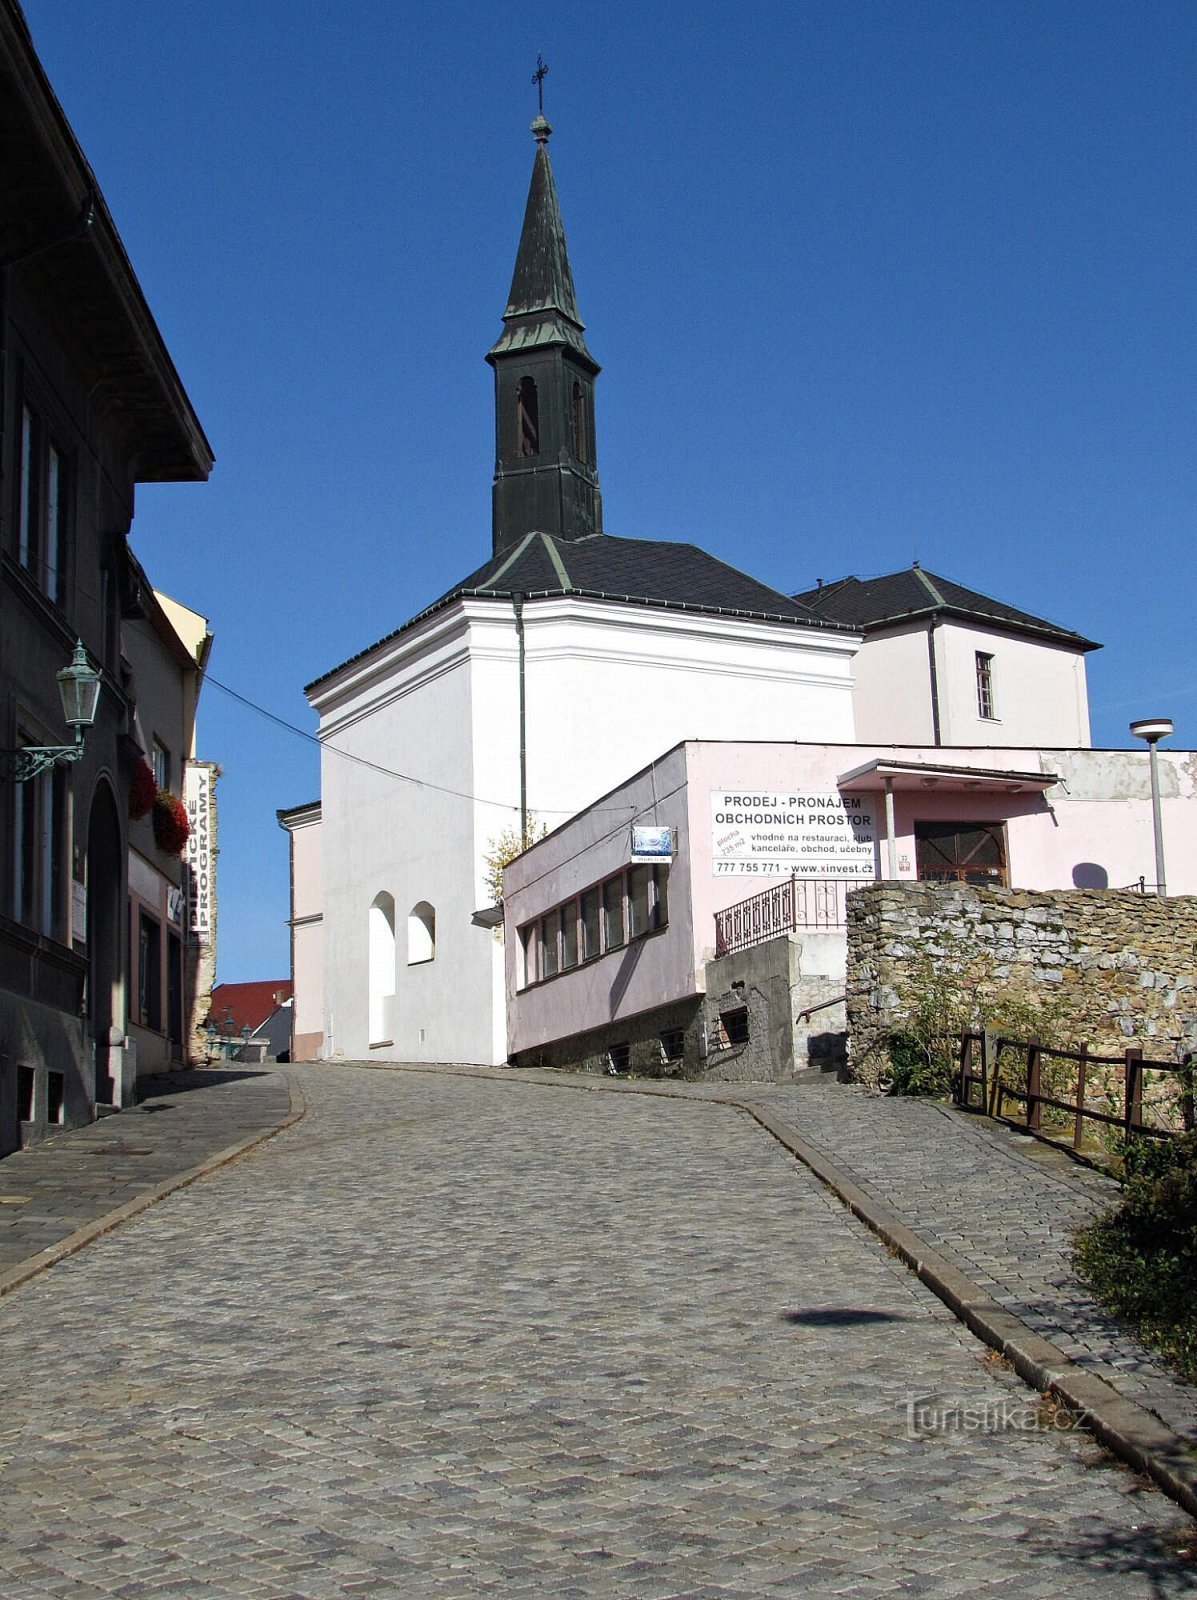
735,1025
673,1044
55,1096
24,1094
619,1057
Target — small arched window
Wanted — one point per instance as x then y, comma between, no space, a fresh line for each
421,933
382,968
527,419
578,420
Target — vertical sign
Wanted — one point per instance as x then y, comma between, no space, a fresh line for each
197,792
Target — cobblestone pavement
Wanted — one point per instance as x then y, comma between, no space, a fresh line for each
452,1337
80,1175
1000,1206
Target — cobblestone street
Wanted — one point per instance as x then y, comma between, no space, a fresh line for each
453,1337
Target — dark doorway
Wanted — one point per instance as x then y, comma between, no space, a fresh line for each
105,936
961,852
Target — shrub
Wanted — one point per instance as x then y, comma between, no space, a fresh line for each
1140,1258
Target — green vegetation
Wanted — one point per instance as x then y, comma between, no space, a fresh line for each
503,850
1140,1259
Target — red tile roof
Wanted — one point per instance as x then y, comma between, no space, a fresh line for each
248,1002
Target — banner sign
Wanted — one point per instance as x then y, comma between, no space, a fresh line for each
198,857
816,834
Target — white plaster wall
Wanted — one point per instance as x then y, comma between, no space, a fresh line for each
892,697
1040,692
406,708
608,686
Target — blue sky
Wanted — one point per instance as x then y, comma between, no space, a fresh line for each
868,282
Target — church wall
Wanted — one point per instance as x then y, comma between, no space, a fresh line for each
615,685
407,708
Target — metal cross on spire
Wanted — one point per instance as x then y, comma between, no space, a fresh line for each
538,77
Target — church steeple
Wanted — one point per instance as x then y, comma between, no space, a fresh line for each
545,475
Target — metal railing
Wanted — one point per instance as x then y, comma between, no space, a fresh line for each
1005,1069
783,908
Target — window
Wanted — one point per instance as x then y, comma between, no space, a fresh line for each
24,1094
569,935
527,419
735,1025
985,703
160,761
673,1044
421,933
39,866
548,945
578,421
42,506
591,921
646,899
629,905
149,972
613,913
960,852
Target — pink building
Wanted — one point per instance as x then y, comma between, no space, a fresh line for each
607,955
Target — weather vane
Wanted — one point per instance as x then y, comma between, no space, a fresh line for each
538,77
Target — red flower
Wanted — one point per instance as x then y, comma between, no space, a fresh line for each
143,791
171,827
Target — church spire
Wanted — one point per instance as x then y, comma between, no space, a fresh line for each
545,477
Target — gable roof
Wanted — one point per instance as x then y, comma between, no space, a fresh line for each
871,603
252,1003
644,572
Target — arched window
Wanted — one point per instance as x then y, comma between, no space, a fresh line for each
578,420
382,968
527,419
421,933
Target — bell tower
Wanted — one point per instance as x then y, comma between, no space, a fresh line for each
546,479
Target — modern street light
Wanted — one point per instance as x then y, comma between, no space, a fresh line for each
1153,729
79,691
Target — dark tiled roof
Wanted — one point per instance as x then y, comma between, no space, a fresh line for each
867,603
649,572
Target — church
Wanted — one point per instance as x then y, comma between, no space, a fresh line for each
570,659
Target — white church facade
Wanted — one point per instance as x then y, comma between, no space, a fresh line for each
569,660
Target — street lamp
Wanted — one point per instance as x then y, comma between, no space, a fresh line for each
79,691
1153,729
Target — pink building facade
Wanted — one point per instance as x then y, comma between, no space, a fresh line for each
597,942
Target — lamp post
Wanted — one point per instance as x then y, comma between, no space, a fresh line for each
79,691
1153,729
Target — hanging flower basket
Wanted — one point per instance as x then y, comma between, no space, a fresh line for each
171,828
143,791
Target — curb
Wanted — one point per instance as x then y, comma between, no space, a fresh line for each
1128,1430
14,1277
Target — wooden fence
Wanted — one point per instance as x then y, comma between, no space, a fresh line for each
995,1069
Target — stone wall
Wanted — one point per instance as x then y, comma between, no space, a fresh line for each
1109,967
